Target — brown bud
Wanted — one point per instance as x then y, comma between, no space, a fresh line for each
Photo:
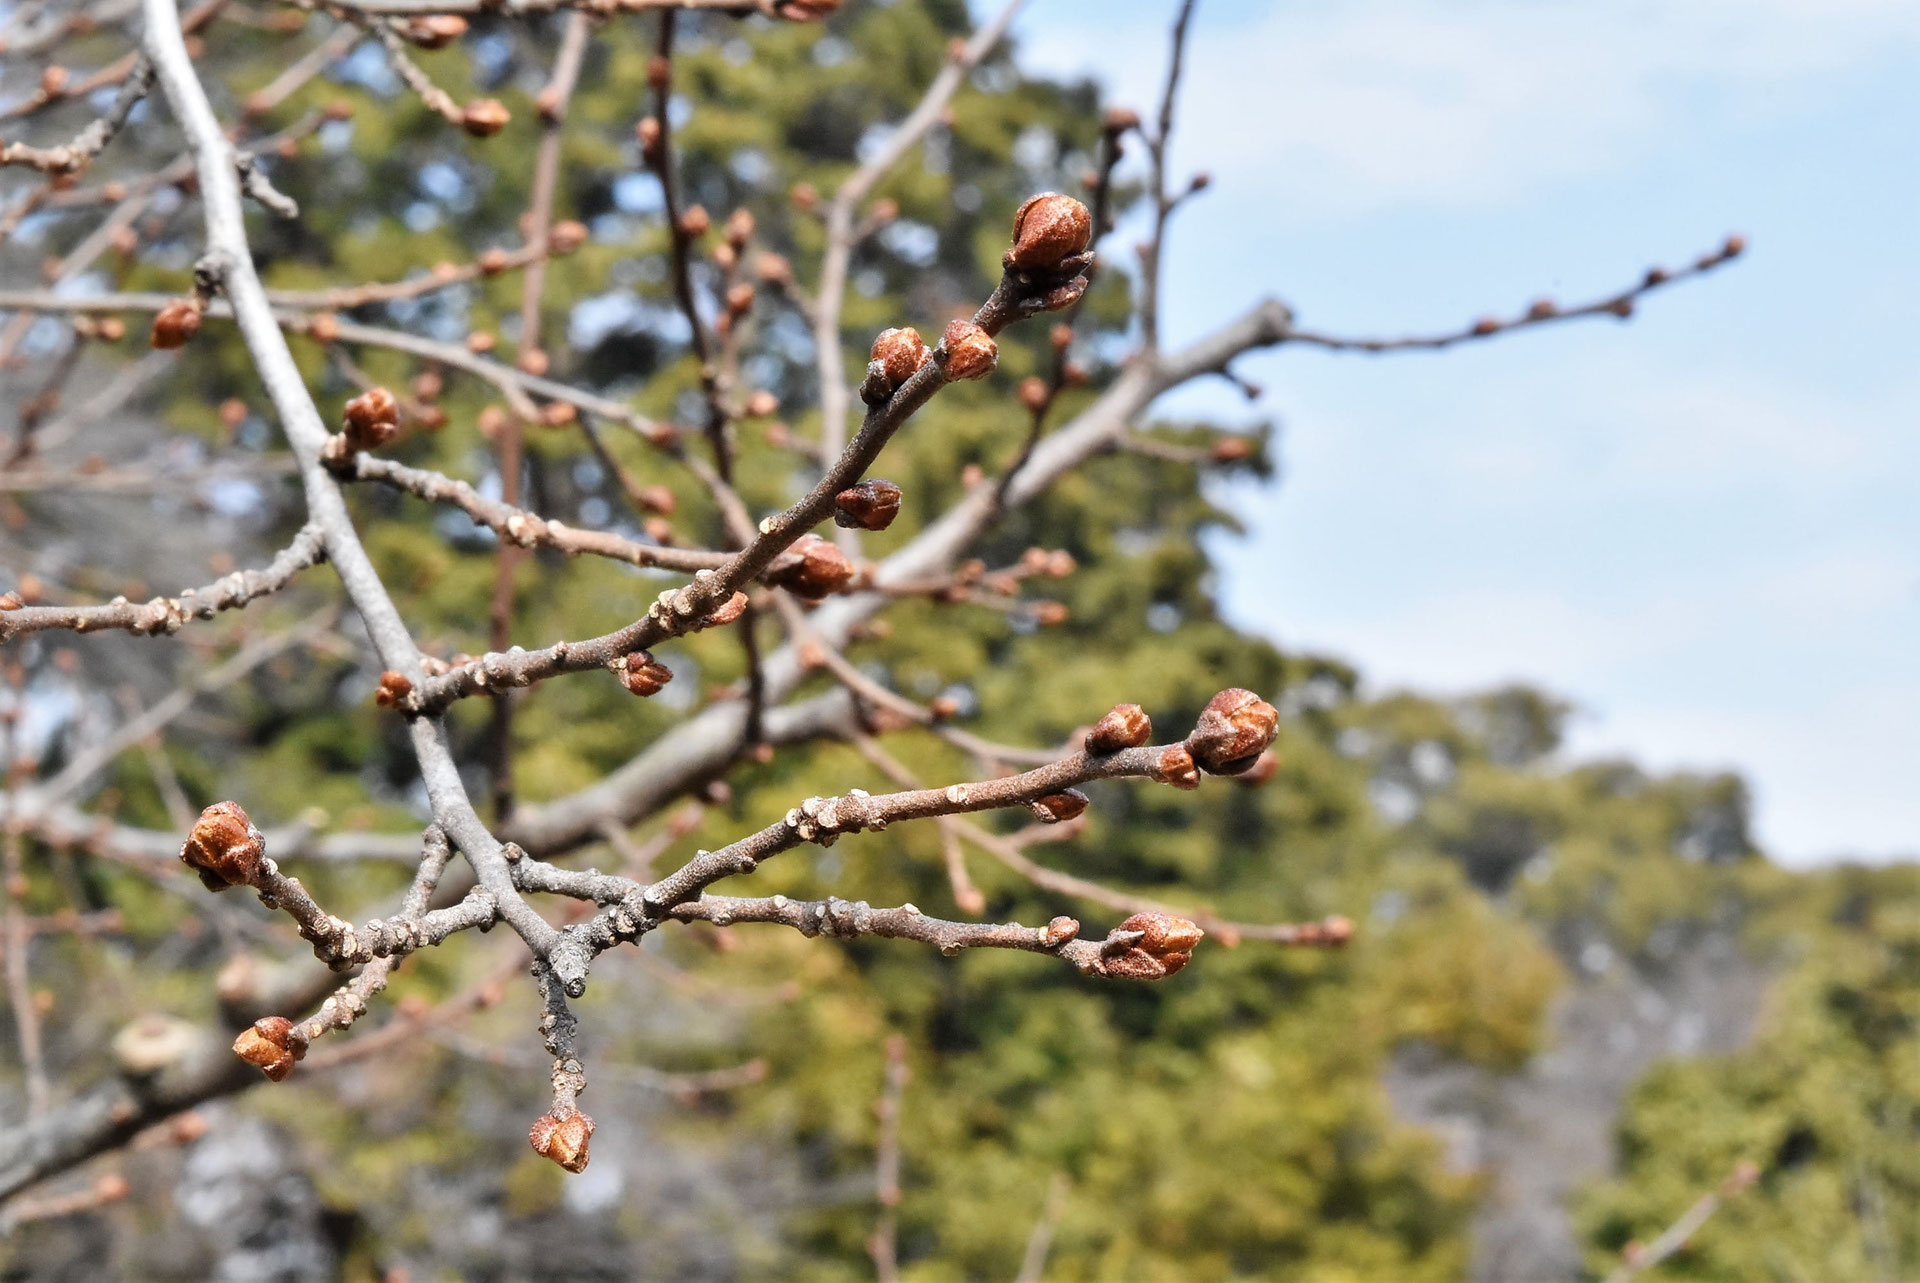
558,414
436,31
393,689
1735,246
1048,230
695,222
482,341
659,529
1164,945
773,269
176,324
970,351
1034,394
1049,614
10,601
1234,729
884,210
871,505
642,674
233,413
762,405
1124,726
1175,766
739,228
812,567
1657,276
1621,307
943,708
567,236
53,81
1336,929
371,412
534,361
1232,450
726,612
112,329
899,353
1060,564
1542,309
648,132
1118,120
324,326
1264,768
1056,808
223,847
656,499
272,1045
740,297
1060,930
484,117
428,385
804,195
1487,325
805,10
563,1138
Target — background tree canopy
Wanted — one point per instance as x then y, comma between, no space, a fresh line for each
1268,1114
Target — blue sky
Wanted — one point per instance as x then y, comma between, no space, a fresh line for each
1702,526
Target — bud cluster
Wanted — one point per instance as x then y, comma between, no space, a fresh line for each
273,1046
1149,946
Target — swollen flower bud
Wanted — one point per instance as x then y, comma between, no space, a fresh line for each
1048,230
272,1046
371,419
812,567
773,269
563,1138
436,31
176,324
1234,729
642,674
1125,726
223,847
1034,394
1056,808
568,236
1175,766
871,505
726,612
484,117
1149,946
896,356
970,351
